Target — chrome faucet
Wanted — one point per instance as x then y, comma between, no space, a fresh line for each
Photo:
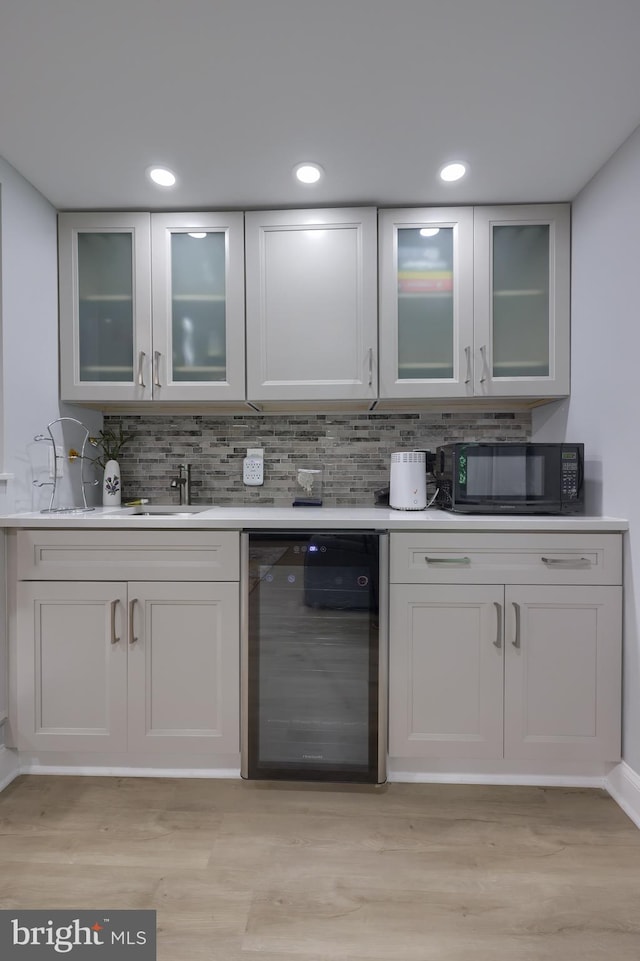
183,483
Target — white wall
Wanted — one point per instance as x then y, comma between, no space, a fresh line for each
29,340
28,358
604,408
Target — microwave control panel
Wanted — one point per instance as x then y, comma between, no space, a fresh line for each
569,474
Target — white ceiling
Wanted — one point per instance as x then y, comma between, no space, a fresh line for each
534,94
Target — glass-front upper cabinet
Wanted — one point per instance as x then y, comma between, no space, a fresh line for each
198,306
105,306
151,306
521,300
426,302
475,301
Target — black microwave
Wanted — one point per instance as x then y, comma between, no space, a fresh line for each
510,478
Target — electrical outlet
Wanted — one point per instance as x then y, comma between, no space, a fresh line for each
253,467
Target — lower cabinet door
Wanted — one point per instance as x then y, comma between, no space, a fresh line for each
446,671
563,673
184,668
71,666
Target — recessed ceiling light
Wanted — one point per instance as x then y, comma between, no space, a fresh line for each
308,173
161,176
454,171
198,236
429,231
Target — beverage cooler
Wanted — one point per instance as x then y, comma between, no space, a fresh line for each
314,655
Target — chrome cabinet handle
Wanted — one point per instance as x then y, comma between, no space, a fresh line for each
498,641
132,636
156,368
467,354
447,560
114,636
566,561
483,354
141,357
516,639
370,366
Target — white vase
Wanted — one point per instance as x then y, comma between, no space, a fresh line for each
111,486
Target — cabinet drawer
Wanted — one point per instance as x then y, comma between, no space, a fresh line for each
128,555
501,558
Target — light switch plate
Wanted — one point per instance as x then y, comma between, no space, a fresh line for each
253,467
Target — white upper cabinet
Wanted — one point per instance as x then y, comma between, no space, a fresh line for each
105,306
151,306
474,302
522,300
426,302
311,289
198,306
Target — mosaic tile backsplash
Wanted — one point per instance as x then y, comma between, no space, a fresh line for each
353,450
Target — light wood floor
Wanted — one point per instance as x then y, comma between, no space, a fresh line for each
280,872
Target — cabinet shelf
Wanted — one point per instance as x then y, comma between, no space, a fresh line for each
431,365
432,294
520,293
199,298
426,294
106,299
517,362
203,369
107,368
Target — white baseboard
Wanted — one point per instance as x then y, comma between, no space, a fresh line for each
81,770
524,780
536,773
623,784
9,767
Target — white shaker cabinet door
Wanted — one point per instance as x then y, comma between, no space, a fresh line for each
522,300
445,671
105,306
311,304
562,673
198,306
71,666
184,668
426,302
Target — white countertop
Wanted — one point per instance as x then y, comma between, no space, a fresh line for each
379,518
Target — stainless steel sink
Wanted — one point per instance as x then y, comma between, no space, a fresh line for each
162,510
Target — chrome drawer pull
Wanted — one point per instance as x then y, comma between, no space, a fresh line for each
483,354
498,641
447,560
114,636
141,357
516,640
132,636
156,368
467,354
566,561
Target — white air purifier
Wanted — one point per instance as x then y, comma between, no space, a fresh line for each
408,482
